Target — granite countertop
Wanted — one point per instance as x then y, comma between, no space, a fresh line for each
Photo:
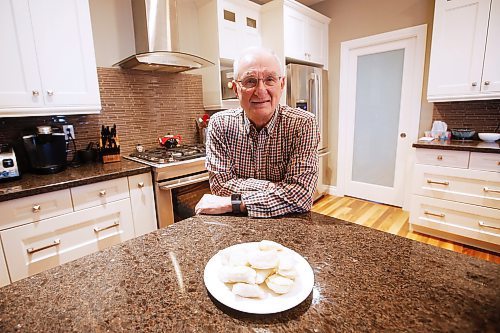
477,146
365,280
31,184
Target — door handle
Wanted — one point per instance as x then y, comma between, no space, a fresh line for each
403,135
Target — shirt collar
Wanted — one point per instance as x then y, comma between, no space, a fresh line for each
269,128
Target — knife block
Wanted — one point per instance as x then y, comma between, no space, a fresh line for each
109,155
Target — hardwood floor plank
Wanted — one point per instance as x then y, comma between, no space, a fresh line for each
389,219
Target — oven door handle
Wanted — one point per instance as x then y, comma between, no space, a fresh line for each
184,181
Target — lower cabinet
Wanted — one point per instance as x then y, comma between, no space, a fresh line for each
35,247
456,196
46,230
4,273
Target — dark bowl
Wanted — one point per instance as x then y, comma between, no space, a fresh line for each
87,156
462,133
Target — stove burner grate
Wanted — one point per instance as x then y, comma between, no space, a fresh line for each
163,155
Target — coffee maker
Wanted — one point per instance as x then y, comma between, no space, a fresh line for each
45,150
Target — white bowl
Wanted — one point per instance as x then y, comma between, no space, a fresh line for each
489,137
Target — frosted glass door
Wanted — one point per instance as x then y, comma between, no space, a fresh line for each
378,100
379,109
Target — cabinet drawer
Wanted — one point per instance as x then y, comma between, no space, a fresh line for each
479,223
92,195
36,247
34,208
449,158
462,185
484,161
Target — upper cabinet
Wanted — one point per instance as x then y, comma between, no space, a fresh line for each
47,60
465,50
239,27
295,31
306,34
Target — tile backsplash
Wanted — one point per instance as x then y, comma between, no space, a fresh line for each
481,116
143,105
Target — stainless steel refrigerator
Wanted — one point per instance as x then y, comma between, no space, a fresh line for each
307,88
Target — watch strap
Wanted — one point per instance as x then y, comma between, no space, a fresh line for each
236,203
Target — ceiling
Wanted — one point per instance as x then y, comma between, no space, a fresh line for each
305,2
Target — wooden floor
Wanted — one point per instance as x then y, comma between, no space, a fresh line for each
389,219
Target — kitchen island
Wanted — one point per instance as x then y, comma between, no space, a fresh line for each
365,280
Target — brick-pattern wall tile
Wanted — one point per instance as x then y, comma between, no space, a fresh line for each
143,105
481,116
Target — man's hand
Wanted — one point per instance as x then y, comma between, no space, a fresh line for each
213,205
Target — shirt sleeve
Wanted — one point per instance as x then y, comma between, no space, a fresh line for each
295,193
223,180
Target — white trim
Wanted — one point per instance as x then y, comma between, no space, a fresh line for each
345,87
332,190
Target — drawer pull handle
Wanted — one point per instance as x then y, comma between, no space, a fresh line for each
434,214
32,250
486,189
102,193
430,181
36,208
98,229
482,224
141,184
440,157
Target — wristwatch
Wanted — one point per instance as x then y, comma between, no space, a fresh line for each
236,203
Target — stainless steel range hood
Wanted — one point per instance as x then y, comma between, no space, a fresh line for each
157,39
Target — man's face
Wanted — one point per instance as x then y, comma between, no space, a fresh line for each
263,73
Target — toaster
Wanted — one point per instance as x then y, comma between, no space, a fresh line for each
9,169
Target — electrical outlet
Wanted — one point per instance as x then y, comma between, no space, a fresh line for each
68,129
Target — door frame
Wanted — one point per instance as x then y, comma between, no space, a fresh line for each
418,33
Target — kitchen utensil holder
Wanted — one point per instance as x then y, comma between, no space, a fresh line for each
109,155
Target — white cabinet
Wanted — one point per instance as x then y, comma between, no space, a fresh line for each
456,196
306,34
46,230
143,203
47,60
295,32
226,27
4,273
35,247
466,36
239,27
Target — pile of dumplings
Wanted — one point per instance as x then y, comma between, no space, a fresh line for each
270,263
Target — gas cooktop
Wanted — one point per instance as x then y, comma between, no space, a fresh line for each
170,155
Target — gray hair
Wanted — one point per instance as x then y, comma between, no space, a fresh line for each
255,50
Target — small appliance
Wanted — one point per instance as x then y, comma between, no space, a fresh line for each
45,150
9,169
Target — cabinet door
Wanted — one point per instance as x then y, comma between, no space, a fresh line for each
458,41
315,42
491,71
36,247
19,80
65,52
229,21
4,273
143,203
295,29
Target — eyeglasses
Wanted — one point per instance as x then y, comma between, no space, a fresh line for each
252,82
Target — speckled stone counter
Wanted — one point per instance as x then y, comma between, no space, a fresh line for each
365,280
31,184
477,146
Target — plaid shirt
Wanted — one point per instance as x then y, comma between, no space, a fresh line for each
275,170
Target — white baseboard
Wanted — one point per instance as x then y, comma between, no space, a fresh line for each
332,190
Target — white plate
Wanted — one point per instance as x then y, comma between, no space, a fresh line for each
273,303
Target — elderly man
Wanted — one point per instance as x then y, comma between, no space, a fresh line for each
262,157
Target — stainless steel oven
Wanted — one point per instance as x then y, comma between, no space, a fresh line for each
180,180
